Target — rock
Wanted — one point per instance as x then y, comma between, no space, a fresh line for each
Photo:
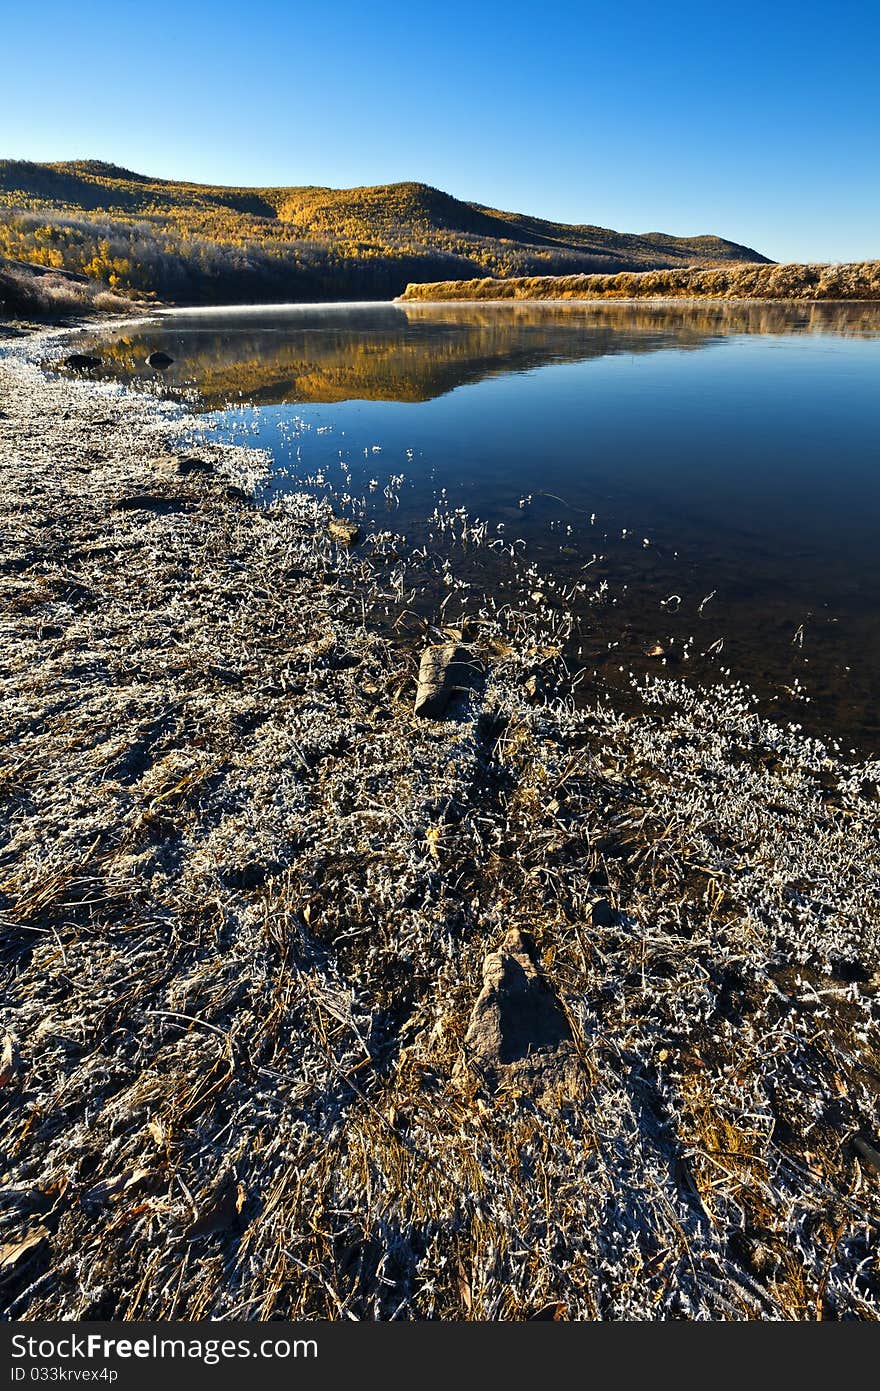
343,531
466,630
867,1152
656,651
518,1034
185,466
601,913
445,671
151,502
160,360
81,362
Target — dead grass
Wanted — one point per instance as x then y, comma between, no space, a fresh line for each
245,899
857,281
35,293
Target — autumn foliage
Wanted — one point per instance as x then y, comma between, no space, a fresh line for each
196,244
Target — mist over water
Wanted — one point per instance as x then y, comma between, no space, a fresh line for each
648,457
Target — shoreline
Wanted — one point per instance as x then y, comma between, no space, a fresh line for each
252,907
103,322
632,301
769,283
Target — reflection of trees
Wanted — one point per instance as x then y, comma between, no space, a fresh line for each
699,318
414,352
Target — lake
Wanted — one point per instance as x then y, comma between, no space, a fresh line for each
696,481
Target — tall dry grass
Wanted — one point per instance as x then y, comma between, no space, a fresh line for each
856,280
53,294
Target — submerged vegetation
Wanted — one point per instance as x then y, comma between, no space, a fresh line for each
855,281
190,243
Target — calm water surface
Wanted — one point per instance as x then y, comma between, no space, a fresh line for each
731,451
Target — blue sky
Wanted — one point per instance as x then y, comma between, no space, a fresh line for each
761,124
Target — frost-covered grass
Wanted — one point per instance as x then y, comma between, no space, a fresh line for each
31,292
859,280
245,898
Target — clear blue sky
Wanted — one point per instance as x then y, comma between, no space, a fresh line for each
761,122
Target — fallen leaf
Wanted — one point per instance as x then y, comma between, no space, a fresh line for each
464,1286
550,1313
219,1212
113,1187
10,1061
433,836
12,1253
157,1130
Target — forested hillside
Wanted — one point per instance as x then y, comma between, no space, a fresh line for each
190,243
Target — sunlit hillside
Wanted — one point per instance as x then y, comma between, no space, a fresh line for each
191,243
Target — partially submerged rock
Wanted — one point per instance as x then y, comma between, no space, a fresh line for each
518,1034
446,671
159,359
344,531
81,362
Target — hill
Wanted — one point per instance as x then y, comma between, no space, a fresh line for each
194,243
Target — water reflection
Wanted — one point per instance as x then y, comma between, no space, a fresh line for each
636,451
415,352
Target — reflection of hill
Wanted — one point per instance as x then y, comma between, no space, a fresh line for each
416,352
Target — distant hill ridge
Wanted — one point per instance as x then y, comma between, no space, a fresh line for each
203,243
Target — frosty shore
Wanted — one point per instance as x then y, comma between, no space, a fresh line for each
314,1008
